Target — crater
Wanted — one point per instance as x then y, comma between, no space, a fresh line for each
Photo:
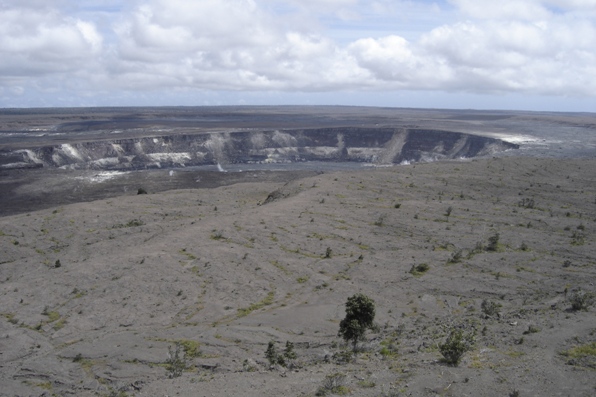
336,144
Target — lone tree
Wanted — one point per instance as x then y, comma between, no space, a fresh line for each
360,314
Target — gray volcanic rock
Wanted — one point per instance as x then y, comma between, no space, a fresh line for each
222,274
347,144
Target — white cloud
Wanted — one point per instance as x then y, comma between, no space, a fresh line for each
541,58
388,58
503,9
42,42
229,44
573,4
526,46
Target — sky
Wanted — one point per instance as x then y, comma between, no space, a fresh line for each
461,54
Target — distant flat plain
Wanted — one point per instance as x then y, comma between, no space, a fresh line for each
539,134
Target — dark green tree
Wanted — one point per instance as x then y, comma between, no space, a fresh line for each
271,353
360,316
493,243
289,352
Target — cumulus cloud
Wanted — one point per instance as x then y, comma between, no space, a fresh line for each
230,44
42,42
503,9
533,46
539,56
574,4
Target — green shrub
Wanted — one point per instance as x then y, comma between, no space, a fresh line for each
581,300
419,270
275,358
456,257
217,235
455,346
191,348
490,308
366,383
380,220
493,243
333,384
526,203
448,211
343,357
289,352
176,362
578,238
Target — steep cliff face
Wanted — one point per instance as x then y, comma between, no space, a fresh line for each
371,145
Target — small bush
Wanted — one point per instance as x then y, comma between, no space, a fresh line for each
493,243
587,350
289,352
532,329
135,223
380,220
176,362
275,358
448,211
248,366
490,308
526,203
217,235
581,300
578,238
116,393
456,257
419,270
478,248
343,357
455,346
271,353
191,348
333,384
366,383
390,393
131,223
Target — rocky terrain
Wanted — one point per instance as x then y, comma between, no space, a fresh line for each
96,295
347,144
154,138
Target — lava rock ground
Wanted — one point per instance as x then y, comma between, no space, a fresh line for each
94,293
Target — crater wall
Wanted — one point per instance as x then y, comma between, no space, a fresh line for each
345,144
